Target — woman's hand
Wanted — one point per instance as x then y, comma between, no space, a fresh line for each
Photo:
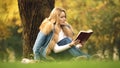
82,43
63,24
77,42
74,42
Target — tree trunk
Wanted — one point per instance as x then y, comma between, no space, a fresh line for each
32,13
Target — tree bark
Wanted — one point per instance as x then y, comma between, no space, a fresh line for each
32,13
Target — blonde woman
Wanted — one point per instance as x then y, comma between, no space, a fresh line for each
55,36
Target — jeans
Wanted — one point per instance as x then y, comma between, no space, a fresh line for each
41,44
40,40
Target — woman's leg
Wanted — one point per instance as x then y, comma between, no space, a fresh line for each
38,44
77,52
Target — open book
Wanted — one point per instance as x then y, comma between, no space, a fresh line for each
84,35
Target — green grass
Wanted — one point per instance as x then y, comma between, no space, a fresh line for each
64,64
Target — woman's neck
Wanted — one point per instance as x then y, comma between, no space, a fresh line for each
58,25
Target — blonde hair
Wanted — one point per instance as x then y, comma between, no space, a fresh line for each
55,13
53,17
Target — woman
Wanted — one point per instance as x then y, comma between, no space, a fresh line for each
56,36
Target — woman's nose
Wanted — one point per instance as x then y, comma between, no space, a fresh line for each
64,19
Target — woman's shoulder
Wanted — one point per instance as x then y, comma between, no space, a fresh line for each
46,26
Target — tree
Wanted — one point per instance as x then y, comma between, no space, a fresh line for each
32,13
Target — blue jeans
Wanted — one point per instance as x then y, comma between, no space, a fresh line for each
40,40
40,46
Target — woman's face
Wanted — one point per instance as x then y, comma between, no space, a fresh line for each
62,18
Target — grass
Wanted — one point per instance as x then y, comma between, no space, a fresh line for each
64,64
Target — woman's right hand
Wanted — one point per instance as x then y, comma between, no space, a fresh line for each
74,42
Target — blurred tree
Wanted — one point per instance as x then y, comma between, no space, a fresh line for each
32,13
9,38
106,21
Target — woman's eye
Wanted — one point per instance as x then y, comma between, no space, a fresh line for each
63,17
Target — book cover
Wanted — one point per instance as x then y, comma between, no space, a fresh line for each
84,35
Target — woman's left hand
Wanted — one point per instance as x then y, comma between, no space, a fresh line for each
63,24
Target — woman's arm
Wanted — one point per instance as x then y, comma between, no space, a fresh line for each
58,48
